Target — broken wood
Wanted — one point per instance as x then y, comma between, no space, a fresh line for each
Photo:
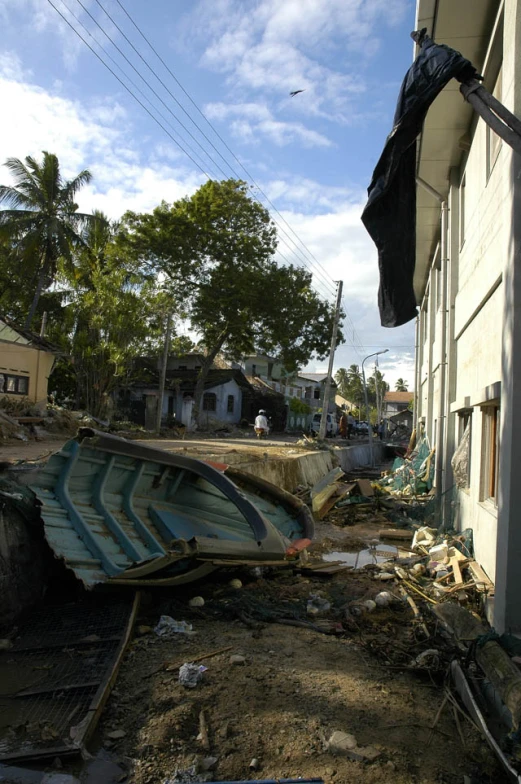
483,582
169,666
365,487
417,614
396,533
324,501
203,731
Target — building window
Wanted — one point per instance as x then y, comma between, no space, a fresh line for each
183,367
231,404
209,401
464,450
14,385
316,394
490,453
493,140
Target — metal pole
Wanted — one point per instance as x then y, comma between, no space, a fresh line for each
370,429
162,379
327,390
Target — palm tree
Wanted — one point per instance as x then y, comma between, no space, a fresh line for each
401,385
42,221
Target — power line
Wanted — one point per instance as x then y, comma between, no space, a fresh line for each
323,281
134,85
282,238
127,88
204,117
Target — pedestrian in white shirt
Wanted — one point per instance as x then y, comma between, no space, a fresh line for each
261,424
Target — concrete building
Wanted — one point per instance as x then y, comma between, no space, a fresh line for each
395,403
26,362
468,287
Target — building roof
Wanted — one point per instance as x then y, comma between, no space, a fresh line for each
263,386
147,374
317,377
29,338
343,401
398,397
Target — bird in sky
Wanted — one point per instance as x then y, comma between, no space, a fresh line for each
296,92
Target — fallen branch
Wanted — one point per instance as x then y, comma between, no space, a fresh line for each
414,607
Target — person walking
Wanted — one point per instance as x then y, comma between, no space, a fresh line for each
342,426
350,425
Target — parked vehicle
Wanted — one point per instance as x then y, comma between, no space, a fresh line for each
332,424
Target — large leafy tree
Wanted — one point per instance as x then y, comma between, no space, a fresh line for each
41,222
217,248
350,384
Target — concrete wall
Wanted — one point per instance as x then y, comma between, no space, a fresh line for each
483,244
308,468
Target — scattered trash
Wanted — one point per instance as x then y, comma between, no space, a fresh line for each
237,659
191,674
254,764
167,626
384,599
5,644
317,605
115,734
235,583
346,744
196,601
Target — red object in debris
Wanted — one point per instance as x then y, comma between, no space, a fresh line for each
297,546
219,466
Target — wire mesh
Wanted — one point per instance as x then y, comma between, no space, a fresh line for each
48,679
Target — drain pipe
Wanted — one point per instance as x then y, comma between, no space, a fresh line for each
440,431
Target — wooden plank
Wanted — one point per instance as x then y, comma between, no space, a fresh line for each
326,480
480,577
456,571
396,533
327,498
365,487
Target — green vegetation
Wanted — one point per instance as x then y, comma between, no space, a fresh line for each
107,287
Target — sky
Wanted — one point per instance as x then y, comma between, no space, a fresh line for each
217,75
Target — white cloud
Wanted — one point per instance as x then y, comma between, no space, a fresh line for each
255,120
276,47
91,136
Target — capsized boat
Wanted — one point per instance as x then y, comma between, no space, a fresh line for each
121,512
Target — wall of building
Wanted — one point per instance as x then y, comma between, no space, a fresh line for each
21,361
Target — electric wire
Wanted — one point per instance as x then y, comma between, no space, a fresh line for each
127,88
129,79
201,168
252,180
319,278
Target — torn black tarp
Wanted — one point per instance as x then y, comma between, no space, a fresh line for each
390,213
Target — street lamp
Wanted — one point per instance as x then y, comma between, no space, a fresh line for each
370,429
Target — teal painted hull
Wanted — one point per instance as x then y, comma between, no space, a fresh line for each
122,513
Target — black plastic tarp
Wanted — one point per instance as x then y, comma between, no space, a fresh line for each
390,213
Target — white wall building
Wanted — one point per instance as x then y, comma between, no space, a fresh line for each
468,286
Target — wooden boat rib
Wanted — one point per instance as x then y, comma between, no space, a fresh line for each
118,511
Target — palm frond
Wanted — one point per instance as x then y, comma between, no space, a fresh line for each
71,188
14,197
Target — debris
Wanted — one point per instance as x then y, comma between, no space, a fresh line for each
384,599
169,666
115,734
324,501
396,533
209,763
317,604
196,601
235,583
254,764
339,742
203,731
5,644
167,626
143,629
425,537
429,659
237,659
191,674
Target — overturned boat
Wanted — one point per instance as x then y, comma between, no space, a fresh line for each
120,512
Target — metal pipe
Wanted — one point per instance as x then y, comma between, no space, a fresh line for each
440,435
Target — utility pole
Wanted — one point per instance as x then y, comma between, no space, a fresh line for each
327,389
162,378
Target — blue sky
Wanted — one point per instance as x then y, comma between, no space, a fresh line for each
312,155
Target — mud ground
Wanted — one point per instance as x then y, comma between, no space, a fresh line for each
295,688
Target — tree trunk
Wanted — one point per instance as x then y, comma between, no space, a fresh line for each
201,378
36,298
